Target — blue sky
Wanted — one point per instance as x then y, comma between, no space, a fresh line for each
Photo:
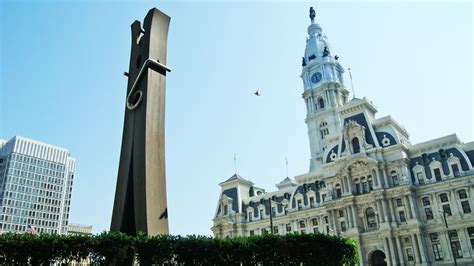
61,82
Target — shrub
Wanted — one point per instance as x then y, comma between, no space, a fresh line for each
120,249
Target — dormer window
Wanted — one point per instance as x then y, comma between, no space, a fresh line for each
355,145
455,170
437,174
226,209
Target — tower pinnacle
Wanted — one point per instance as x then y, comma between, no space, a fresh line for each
312,14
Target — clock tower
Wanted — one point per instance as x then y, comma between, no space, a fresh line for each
324,92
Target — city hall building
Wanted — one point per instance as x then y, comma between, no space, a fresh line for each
366,180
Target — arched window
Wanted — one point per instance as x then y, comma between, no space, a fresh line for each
321,102
394,176
371,219
226,209
371,183
357,186
323,129
365,185
355,145
338,191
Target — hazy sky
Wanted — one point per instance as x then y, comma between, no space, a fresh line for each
61,82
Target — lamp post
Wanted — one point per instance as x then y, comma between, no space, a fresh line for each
449,236
271,216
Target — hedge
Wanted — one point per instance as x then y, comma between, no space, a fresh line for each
118,249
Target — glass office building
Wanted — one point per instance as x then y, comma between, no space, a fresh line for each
35,186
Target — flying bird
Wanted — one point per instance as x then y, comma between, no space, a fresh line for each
257,93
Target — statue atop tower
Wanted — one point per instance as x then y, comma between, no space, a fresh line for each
312,14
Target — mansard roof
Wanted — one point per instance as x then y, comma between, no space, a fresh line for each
237,177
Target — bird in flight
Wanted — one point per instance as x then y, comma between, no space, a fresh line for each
257,93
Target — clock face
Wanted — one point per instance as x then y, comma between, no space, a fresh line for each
316,77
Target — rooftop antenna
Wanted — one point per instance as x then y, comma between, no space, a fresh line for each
352,84
235,163
286,159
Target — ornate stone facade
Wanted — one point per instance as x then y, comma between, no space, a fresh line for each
366,180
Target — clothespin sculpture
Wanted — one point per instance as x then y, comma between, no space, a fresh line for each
140,196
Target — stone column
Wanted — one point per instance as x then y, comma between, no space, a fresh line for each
413,207
465,242
387,251
347,216
385,179
408,207
385,209
421,247
392,210
414,244
393,256
354,216
400,251
379,210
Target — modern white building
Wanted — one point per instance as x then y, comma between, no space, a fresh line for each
35,186
366,180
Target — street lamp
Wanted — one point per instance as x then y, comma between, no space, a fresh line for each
449,236
271,213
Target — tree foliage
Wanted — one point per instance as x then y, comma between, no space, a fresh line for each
120,249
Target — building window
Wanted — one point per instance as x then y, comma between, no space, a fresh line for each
261,214
402,216
371,219
288,227
410,256
302,224
250,216
426,201
315,230
437,250
420,177
264,231
371,184
338,191
311,202
365,187
321,103
252,232
355,145
455,170
443,197
428,213
437,173
470,232
455,245
275,229
226,209
314,221
299,203
326,219
462,194
465,206
323,129
341,213
394,176
343,226
447,209
399,202
357,186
